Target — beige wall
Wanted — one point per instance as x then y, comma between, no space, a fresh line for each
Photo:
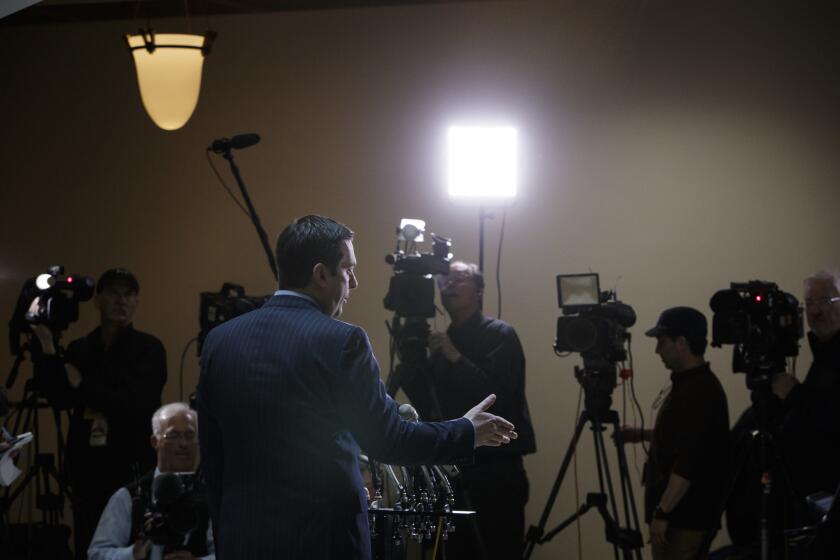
673,153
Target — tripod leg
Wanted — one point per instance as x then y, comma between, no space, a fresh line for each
604,473
535,533
627,490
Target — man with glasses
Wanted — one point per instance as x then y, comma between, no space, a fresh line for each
479,355
119,533
810,431
111,380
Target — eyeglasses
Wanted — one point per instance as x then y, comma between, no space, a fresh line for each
452,279
820,303
175,436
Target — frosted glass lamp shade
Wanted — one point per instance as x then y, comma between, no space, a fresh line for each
169,74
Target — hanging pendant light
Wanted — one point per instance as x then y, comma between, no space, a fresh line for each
169,73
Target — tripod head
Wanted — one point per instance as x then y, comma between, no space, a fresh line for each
598,380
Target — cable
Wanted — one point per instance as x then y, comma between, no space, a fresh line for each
181,369
222,181
633,391
499,264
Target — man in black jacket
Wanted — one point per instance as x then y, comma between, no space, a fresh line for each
111,380
687,473
810,429
479,355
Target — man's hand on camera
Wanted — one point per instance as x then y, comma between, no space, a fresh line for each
782,384
630,434
141,549
490,430
74,376
43,332
440,342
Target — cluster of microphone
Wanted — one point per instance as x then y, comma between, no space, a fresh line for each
424,502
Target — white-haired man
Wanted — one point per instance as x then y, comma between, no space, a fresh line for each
810,431
119,536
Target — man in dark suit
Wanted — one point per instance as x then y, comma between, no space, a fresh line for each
288,394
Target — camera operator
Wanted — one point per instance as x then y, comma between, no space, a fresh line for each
112,381
476,356
119,534
810,429
688,466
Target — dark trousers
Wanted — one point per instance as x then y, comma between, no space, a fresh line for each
498,492
87,508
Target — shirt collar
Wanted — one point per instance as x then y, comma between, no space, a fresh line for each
297,294
677,377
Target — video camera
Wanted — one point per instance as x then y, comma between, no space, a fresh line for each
411,292
594,324
176,509
58,303
761,321
221,306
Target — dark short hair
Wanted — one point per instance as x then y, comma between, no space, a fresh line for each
697,344
116,276
306,242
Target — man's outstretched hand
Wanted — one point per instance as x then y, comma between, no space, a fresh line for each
490,429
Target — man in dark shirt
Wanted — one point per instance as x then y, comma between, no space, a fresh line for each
687,470
810,428
479,355
111,380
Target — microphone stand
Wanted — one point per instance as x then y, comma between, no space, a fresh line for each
251,211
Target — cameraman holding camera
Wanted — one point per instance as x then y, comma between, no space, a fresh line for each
479,355
688,465
810,429
112,380
120,533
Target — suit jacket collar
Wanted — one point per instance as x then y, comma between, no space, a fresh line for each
292,301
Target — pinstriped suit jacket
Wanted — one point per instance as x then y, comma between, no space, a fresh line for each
286,397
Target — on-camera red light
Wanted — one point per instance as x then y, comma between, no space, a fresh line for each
758,298
69,279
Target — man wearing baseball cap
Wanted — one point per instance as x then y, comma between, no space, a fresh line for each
686,476
111,381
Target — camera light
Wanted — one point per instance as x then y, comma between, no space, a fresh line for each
411,230
758,298
44,281
482,162
69,279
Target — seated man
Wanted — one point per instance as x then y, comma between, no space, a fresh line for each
118,536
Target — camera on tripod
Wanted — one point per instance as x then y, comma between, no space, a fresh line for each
761,321
594,323
176,509
58,296
217,307
411,292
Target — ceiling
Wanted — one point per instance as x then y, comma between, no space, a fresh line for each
75,11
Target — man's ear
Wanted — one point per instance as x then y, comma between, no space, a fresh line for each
320,274
153,439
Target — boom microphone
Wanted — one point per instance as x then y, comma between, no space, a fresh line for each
238,142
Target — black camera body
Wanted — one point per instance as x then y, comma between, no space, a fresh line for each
221,306
177,508
411,291
594,324
761,321
58,296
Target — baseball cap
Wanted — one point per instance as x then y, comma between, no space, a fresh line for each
680,321
115,276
